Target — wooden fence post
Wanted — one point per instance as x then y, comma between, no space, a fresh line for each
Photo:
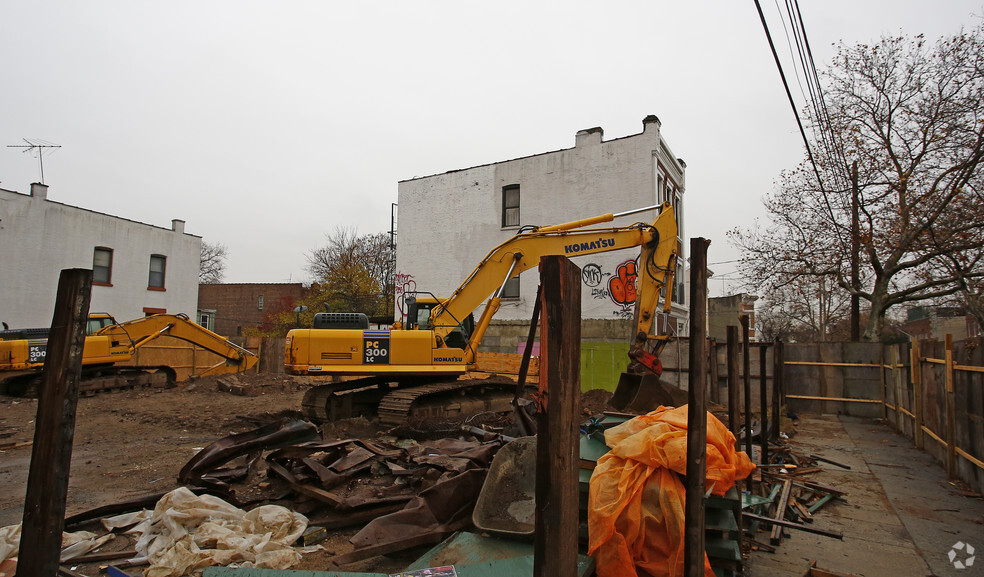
951,411
897,386
777,400
555,537
54,428
714,378
733,380
764,408
915,356
747,382
881,377
693,544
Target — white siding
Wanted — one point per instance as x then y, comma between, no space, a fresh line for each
449,222
39,238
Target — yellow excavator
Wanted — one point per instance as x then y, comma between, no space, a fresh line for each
399,368
108,345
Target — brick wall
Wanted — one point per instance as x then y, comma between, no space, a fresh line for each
237,306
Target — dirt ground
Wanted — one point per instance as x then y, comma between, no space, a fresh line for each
133,443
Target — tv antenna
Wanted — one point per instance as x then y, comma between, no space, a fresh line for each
39,145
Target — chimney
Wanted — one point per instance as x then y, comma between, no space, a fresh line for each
178,225
39,190
588,136
651,120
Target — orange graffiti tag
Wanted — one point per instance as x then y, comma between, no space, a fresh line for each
622,286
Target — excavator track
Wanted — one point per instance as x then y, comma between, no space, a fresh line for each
405,406
410,402
92,381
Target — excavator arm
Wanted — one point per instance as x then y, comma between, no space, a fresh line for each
658,242
137,333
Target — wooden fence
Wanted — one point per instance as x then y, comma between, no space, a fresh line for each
930,391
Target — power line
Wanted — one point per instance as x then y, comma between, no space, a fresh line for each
792,104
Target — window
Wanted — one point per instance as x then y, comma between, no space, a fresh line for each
102,266
259,303
510,205
511,289
158,264
679,284
206,318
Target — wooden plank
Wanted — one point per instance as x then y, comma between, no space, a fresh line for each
839,399
934,436
694,535
54,431
555,545
505,363
968,368
951,412
969,457
831,364
776,536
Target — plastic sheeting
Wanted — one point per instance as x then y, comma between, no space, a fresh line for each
187,533
73,544
636,499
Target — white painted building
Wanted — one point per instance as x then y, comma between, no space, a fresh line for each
449,222
138,269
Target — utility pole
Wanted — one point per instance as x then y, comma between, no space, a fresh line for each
855,258
40,145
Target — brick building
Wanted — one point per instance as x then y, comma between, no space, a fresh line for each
723,312
230,309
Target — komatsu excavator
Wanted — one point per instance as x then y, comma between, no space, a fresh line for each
400,368
108,345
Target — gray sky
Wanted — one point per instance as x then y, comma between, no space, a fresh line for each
267,124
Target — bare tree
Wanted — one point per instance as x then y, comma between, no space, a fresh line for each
354,273
212,267
911,115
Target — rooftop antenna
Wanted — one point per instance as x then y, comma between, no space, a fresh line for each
39,145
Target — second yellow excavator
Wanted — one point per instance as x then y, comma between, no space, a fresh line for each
108,347
399,368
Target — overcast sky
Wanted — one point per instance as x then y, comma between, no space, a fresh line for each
265,125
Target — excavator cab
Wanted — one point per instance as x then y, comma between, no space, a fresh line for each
97,322
419,318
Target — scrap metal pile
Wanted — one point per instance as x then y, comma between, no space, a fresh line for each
404,493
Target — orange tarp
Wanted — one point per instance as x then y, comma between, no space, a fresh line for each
636,500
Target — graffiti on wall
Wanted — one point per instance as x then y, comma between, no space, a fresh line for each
622,285
404,285
619,288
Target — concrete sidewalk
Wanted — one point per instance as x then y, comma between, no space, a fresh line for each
900,516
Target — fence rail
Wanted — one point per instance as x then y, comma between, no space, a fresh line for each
921,389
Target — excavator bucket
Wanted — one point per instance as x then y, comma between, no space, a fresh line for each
644,393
